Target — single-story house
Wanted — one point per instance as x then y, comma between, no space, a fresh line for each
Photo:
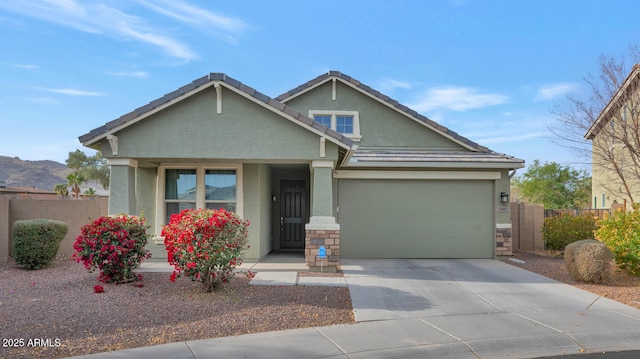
331,163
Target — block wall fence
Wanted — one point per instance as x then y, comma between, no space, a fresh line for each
74,212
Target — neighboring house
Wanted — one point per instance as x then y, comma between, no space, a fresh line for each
331,163
615,143
27,192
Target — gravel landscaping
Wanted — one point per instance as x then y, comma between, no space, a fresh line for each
54,312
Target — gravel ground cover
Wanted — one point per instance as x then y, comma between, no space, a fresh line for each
54,312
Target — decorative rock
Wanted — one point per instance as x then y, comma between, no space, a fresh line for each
588,261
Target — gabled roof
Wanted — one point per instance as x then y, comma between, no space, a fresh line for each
629,85
385,100
480,155
213,79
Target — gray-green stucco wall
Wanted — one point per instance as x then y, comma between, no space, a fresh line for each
380,126
257,209
191,129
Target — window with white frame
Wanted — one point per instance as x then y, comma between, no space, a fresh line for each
200,187
344,122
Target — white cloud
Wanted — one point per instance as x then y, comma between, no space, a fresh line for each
506,138
555,90
139,74
26,66
199,18
456,99
73,92
97,18
391,84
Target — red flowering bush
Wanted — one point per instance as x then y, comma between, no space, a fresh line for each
113,244
205,245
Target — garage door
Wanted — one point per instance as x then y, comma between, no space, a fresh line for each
415,219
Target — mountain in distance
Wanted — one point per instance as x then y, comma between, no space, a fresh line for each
42,175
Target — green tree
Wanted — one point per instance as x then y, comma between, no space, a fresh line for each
554,185
90,167
62,189
75,180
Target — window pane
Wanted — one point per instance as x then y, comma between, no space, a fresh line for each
174,208
180,184
231,207
323,119
344,124
220,185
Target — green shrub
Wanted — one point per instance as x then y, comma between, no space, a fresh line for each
621,233
558,232
36,241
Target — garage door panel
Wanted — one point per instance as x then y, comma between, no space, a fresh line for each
416,219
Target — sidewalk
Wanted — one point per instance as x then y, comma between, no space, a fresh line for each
276,269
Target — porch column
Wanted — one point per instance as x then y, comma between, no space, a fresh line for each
122,186
322,229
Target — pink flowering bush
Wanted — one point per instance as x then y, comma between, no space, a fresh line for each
115,245
205,245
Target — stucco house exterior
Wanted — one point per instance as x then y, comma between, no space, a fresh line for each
331,163
614,145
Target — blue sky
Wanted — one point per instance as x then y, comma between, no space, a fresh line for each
489,70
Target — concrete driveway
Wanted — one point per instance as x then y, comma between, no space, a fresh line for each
440,309
482,308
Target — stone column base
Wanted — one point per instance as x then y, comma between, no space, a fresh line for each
330,239
504,244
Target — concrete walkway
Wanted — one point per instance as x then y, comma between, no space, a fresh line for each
440,309
276,269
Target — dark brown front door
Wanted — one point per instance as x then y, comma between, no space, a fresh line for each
292,214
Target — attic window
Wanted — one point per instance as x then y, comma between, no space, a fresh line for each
344,122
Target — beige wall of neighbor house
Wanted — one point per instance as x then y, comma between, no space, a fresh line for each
75,213
607,187
614,145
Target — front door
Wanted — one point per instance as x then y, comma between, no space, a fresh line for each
292,214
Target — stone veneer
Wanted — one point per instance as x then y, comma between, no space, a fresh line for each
328,238
504,244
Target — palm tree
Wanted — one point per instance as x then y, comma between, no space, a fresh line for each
75,180
61,189
90,192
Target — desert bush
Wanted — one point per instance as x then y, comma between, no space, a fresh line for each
36,241
115,245
205,245
558,232
588,261
621,233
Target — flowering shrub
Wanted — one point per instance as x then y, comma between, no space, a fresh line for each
205,245
114,245
621,233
